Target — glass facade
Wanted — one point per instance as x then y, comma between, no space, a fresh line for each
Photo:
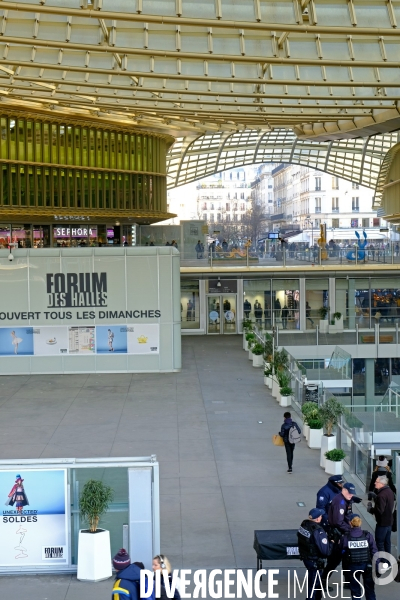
80,167
317,294
190,304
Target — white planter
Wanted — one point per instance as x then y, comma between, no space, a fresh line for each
332,328
327,443
266,380
306,430
323,326
275,388
314,438
244,342
258,360
285,400
333,467
94,555
250,355
269,382
339,325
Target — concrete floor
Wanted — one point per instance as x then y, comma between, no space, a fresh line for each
221,477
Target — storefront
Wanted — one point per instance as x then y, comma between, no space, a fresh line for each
67,234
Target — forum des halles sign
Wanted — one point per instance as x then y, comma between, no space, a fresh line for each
47,311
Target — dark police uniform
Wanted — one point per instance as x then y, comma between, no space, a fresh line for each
358,547
338,511
314,547
325,496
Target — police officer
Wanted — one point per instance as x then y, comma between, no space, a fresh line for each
339,523
314,547
326,494
358,548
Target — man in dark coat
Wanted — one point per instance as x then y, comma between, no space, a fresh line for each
314,548
284,433
383,512
326,494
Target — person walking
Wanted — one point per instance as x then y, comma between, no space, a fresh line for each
161,563
358,548
285,316
127,580
286,432
199,249
314,548
308,314
383,513
382,468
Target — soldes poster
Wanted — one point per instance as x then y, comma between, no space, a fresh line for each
34,522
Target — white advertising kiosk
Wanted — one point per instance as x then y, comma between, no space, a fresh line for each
88,310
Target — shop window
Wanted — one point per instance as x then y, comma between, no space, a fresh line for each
257,301
286,303
190,304
376,222
354,222
385,300
365,222
335,223
316,299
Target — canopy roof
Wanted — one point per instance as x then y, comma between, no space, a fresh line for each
322,69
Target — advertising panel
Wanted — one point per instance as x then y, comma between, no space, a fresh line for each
34,524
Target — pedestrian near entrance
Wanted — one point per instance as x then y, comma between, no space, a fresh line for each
382,468
285,315
314,548
358,549
287,429
127,580
308,314
383,512
161,563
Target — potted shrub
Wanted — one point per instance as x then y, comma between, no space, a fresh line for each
269,348
309,410
250,339
247,328
338,319
258,351
285,390
315,433
280,364
329,414
334,461
268,375
94,550
323,314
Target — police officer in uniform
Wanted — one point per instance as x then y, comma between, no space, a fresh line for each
358,548
339,509
314,547
326,494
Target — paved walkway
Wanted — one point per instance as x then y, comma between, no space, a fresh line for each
221,477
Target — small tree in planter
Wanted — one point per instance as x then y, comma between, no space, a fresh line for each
334,461
329,413
284,380
269,348
94,551
315,434
323,324
309,410
268,371
247,328
280,364
258,351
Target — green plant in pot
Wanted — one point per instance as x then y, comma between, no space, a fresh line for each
309,411
314,423
94,551
281,361
323,311
247,325
284,380
257,349
329,414
335,455
269,347
268,371
95,499
337,316
250,339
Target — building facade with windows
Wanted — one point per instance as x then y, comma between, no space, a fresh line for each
263,187
308,198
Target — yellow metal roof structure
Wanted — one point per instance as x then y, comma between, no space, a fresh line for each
224,77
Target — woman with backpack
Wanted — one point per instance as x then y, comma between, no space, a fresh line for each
290,433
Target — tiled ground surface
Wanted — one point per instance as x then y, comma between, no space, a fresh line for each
221,477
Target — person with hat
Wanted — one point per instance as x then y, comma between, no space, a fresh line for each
314,548
17,496
358,548
382,468
339,509
127,580
326,494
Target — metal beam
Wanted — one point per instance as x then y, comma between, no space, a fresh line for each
195,22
